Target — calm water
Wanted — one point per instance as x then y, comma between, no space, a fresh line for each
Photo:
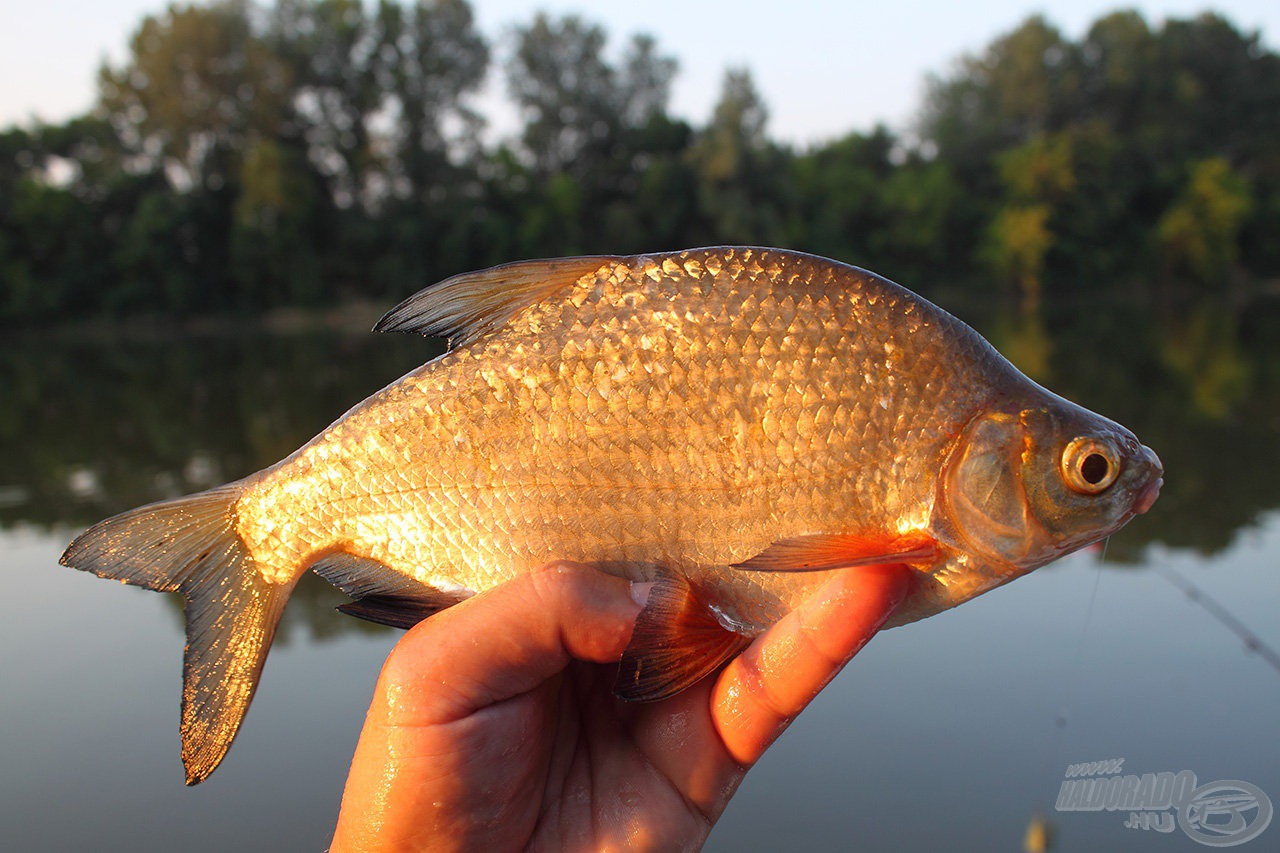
948,734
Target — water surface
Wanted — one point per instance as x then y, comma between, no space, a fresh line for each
946,734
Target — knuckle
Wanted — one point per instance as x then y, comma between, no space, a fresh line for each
758,686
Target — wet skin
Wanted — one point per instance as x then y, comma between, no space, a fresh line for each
494,726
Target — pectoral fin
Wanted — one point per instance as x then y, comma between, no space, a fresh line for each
823,551
676,643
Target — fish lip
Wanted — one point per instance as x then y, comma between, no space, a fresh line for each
1151,491
1148,496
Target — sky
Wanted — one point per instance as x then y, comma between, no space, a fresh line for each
823,68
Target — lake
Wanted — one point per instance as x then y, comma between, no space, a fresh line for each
953,733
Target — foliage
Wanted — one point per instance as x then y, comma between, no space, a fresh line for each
245,157
1092,141
1200,231
735,168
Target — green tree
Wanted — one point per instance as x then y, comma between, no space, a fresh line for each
596,138
1200,232
574,100
56,218
1116,58
917,237
838,191
200,89
741,175
199,86
1035,177
246,155
155,256
1017,241
432,61
331,48
276,226
1025,84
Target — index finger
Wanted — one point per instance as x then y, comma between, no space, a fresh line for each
503,642
762,690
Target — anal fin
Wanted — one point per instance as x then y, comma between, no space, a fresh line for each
676,643
392,610
382,595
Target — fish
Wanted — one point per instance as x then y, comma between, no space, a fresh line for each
730,424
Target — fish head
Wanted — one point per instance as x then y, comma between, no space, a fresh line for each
1027,484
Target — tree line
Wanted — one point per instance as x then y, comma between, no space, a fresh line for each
248,156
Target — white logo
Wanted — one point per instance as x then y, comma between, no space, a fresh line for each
1219,814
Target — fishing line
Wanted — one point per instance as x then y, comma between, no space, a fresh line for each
1251,641
1076,667
1072,682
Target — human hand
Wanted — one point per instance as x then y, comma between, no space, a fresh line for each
494,726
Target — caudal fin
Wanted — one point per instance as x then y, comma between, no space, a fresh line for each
190,545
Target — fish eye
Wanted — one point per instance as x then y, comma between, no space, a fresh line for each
1090,465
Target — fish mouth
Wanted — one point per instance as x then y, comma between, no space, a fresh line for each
1148,495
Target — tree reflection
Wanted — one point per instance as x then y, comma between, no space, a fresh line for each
92,428
1196,380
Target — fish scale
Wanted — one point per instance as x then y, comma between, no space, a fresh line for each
629,440
730,423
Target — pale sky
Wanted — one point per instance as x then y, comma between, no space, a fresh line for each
824,68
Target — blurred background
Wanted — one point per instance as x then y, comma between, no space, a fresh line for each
193,241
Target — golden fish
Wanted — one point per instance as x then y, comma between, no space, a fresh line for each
727,422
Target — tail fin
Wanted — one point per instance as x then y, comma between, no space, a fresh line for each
190,545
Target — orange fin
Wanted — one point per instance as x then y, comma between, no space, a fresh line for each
470,305
381,594
676,643
821,551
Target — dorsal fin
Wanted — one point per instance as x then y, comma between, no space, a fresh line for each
468,306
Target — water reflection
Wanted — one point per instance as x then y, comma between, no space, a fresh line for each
900,753
91,428
1197,381
1203,350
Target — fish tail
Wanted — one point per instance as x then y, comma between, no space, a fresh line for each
190,545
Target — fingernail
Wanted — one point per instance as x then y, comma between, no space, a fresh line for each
640,592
